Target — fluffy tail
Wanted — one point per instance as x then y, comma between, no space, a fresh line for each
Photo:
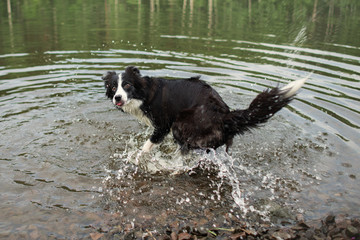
263,107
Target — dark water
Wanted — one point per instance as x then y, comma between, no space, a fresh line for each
69,160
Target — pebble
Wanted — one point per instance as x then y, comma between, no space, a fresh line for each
237,236
96,236
281,234
330,227
184,236
351,231
173,236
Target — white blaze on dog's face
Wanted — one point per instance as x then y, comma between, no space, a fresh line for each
120,97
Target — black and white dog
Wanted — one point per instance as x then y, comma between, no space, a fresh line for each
190,108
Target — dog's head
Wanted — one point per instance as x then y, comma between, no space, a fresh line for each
121,90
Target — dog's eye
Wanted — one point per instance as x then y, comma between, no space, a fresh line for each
127,86
114,89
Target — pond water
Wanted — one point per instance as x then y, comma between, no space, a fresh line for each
69,160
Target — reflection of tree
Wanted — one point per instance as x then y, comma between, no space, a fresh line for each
10,24
184,14
249,7
210,20
55,25
313,18
42,25
330,24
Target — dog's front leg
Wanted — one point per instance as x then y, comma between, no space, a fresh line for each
157,137
148,146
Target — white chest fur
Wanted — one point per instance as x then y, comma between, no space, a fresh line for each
133,107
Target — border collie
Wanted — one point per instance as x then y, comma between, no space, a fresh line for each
190,108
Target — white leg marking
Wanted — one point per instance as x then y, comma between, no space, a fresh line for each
148,146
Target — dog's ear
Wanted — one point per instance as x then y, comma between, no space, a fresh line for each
107,76
133,71
136,70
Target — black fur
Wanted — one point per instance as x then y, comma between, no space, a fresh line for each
111,84
192,109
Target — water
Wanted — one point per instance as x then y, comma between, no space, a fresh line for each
69,160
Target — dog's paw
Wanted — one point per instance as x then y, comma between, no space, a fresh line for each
148,146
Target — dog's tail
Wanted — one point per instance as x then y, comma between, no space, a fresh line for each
263,107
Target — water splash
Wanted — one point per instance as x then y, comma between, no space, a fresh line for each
249,183
298,42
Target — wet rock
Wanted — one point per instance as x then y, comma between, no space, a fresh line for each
251,232
184,236
173,236
328,228
96,236
309,233
300,226
34,234
277,211
334,231
338,236
202,221
186,229
355,223
116,237
238,236
351,231
164,237
198,233
300,217
330,219
174,224
341,222
282,234
129,236
128,227
208,214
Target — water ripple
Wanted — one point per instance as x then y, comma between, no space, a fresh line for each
58,106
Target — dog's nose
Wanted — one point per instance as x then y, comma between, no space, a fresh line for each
118,98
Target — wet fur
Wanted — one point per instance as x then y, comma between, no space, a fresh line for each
190,108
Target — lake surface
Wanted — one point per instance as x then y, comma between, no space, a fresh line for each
69,160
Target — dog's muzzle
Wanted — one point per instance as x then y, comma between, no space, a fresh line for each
118,100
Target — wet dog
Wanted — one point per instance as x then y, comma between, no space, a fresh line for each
190,108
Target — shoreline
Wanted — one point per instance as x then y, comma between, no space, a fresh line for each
330,227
